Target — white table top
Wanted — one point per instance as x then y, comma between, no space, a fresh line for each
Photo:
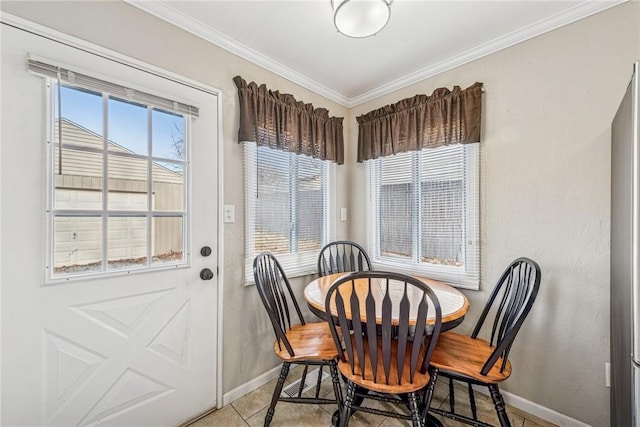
454,304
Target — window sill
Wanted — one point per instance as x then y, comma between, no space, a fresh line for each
456,279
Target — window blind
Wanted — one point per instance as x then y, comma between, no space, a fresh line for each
424,213
288,204
82,80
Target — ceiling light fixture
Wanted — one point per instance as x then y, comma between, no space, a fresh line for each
360,18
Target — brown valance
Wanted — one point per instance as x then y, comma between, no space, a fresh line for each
277,120
446,117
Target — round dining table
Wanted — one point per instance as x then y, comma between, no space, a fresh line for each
454,304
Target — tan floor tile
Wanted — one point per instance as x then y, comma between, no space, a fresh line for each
485,409
260,398
226,416
253,407
255,401
293,415
533,421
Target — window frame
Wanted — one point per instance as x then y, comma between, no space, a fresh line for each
295,264
466,276
104,213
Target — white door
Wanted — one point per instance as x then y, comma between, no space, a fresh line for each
124,349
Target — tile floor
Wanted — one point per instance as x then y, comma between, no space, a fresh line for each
250,410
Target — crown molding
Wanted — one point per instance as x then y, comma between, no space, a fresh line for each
581,10
174,17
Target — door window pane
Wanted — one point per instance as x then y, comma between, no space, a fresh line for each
167,135
127,242
77,245
128,127
168,240
81,113
127,183
78,183
83,225
168,186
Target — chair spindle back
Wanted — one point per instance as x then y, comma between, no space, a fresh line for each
510,302
276,294
342,256
388,329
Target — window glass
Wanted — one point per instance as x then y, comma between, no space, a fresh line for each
288,205
83,109
142,221
127,242
77,245
396,207
167,240
273,210
127,183
168,135
423,214
168,184
128,125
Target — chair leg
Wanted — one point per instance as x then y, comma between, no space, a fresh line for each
472,402
496,396
319,382
452,397
335,379
412,403
429,390
303,380
348,403
284,371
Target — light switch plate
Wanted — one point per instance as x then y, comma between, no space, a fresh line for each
343,214
229,213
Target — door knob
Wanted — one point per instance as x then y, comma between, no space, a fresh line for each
206,274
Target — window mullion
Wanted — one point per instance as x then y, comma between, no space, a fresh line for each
150,206
377,166
417,209
105,180
293,200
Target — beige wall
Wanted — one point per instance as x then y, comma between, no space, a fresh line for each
545,186
248,337
548,106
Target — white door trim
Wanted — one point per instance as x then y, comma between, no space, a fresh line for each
94,49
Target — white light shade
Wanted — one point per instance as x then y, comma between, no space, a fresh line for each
360,18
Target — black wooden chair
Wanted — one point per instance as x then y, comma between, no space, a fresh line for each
476,361
342,256
308,344
387,342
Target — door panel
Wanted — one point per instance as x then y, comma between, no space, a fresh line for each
127,349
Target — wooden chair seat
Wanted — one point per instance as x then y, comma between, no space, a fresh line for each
299,343
380,384
382,337
311,341
478,362
465,355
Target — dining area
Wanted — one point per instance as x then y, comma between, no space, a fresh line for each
383,345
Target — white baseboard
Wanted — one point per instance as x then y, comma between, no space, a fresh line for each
526,405
540,411
249,386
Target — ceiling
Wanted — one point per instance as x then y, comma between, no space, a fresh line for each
297,39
